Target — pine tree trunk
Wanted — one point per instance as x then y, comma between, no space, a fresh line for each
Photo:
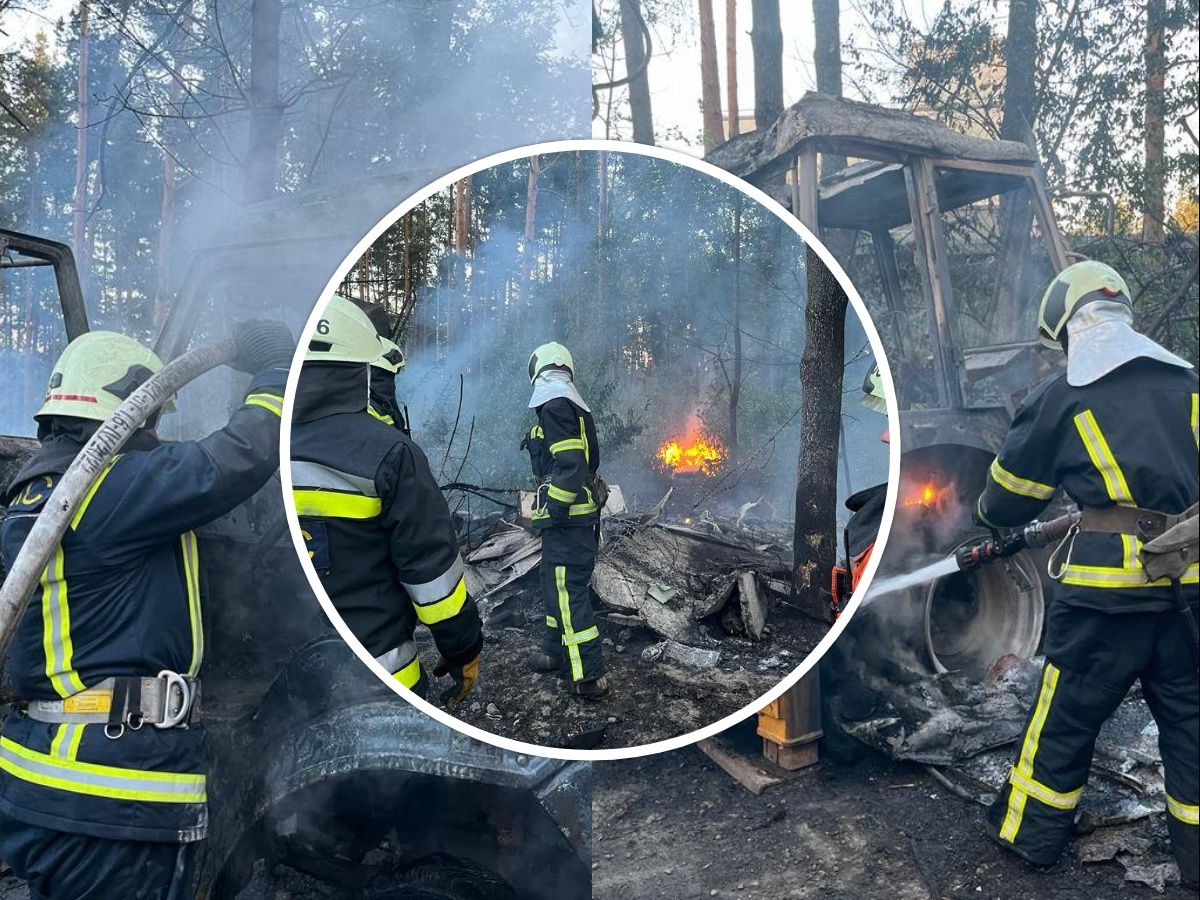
766,38
266,109
731,85
531,194
635,65
815,538
827,60
79,200
462,215
1153,201
735,384
1020,63
710,82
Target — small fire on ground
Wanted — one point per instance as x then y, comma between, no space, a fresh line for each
693,451
928,494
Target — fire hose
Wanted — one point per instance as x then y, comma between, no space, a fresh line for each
1035,535
97,453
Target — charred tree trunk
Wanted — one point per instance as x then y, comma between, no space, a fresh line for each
710,82
735,382
815,538
827,59
1020,61
79,201
636,61
266,109
766,37
1153,200
731,84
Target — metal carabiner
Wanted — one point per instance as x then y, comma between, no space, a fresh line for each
175,683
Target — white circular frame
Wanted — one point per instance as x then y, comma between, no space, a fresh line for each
788,680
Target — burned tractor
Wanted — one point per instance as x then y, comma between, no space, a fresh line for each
949,239
315,764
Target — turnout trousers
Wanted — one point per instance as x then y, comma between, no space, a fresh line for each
1092,660
57,865
568,558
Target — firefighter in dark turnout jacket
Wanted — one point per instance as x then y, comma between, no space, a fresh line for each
102,789
383,403
377,528
1117,432
565,455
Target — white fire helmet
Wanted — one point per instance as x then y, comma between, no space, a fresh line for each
551,354
95,373
344,333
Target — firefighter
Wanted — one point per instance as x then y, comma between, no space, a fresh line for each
565,455
102,788
383,404
866,507
376,525
1117,432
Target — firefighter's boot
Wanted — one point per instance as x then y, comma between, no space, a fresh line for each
541,661
591,689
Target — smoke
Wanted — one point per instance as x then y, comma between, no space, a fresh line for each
649,323
378,100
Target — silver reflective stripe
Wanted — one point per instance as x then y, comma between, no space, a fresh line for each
104,780
438,589
315,475
396,659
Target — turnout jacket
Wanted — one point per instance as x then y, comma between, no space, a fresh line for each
122,597
375,523
1129,439
565,454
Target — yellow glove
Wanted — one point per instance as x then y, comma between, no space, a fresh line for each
464,677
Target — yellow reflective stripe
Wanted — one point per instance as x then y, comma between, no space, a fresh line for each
582,637
1018,485
91,492
537,432
271,402
1039,791
1114,577
564,610
336,504
56,628
1102,458
448,608
385,419
1029,748
551,622
560,495
1188,815
191,576
1196,418
65,744
100,781
587,451
410,674
568,444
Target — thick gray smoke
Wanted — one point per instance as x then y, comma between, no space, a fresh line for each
649,364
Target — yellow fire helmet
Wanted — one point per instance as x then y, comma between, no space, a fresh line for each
1074,287
551,354
344,334
873,396
95,373
392,359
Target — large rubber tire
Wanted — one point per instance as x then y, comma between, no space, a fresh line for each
439,878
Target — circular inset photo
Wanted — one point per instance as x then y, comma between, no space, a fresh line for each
567,441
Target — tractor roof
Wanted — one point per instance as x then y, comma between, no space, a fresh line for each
854,129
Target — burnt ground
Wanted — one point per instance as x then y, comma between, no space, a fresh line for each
648,701
676,826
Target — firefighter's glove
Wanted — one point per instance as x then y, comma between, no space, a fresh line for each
464,680
262,344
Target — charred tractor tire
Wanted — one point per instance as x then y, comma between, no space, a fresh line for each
438,878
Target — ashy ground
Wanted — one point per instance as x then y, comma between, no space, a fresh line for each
650,700
676,826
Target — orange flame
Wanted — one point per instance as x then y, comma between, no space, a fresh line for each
694,451
928,494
